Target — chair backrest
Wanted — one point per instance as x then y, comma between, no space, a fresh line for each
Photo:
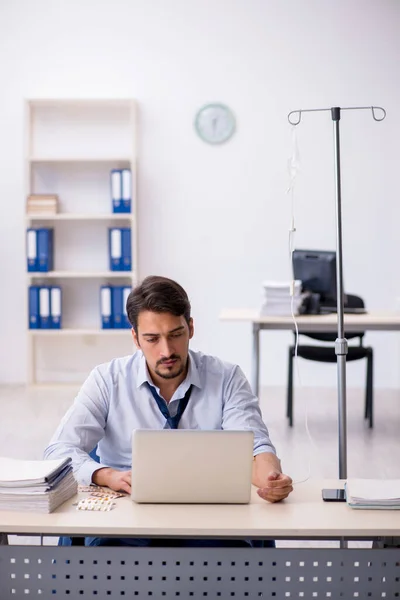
93,455
351,301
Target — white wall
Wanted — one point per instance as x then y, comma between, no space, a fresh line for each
216,218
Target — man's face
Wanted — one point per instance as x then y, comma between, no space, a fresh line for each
164,341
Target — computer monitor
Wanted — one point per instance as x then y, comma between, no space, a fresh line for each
317,271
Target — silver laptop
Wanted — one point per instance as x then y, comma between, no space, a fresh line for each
191,466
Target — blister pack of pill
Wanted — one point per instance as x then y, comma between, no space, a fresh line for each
107,494
95,504
88,488
100,492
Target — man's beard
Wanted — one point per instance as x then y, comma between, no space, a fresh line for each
171,374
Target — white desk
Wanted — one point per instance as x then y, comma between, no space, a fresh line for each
303,515
198,572
371,321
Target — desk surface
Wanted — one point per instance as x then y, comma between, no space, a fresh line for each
302,515
378,321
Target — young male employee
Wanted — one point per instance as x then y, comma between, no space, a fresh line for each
163,385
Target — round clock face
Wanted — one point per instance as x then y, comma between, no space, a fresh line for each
215,123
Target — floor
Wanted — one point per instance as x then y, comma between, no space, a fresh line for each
30,415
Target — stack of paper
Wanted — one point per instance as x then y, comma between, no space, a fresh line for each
277,299
42,204
35,485
373,493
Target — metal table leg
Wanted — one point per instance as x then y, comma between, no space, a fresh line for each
255,379
3,539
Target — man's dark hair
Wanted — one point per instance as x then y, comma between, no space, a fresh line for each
157,294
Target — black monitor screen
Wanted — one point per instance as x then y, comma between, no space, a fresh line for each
317,271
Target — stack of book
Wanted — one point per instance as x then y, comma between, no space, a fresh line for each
373,493
35,485
277,299
42,204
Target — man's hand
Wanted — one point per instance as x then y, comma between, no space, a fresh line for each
277,487
267,476
119,481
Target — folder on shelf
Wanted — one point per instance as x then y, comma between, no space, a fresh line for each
116,190
126,249
125,321
115,248
33,301
116,306
126,190
55,307
44,308
105,307
31,250
45,249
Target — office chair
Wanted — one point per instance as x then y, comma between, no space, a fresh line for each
327,354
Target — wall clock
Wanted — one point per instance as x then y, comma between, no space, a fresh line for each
215,123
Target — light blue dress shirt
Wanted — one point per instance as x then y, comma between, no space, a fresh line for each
115,399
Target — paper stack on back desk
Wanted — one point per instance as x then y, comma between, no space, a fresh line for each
373,493
35,485
277,300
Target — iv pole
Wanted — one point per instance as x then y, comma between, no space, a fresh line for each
341,346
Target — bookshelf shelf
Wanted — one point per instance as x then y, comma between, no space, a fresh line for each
80,275
72,145
117,160
80,217
78,332
81,102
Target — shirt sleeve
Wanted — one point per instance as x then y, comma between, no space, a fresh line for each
241,411
82,427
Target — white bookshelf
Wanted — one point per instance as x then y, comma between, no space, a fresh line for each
71,147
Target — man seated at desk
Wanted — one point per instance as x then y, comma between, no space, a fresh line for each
133,392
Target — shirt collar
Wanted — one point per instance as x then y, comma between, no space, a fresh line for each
143,374
192,377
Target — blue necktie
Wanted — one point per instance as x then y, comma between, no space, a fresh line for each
173,422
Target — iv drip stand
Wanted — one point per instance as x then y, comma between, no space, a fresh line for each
341,346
